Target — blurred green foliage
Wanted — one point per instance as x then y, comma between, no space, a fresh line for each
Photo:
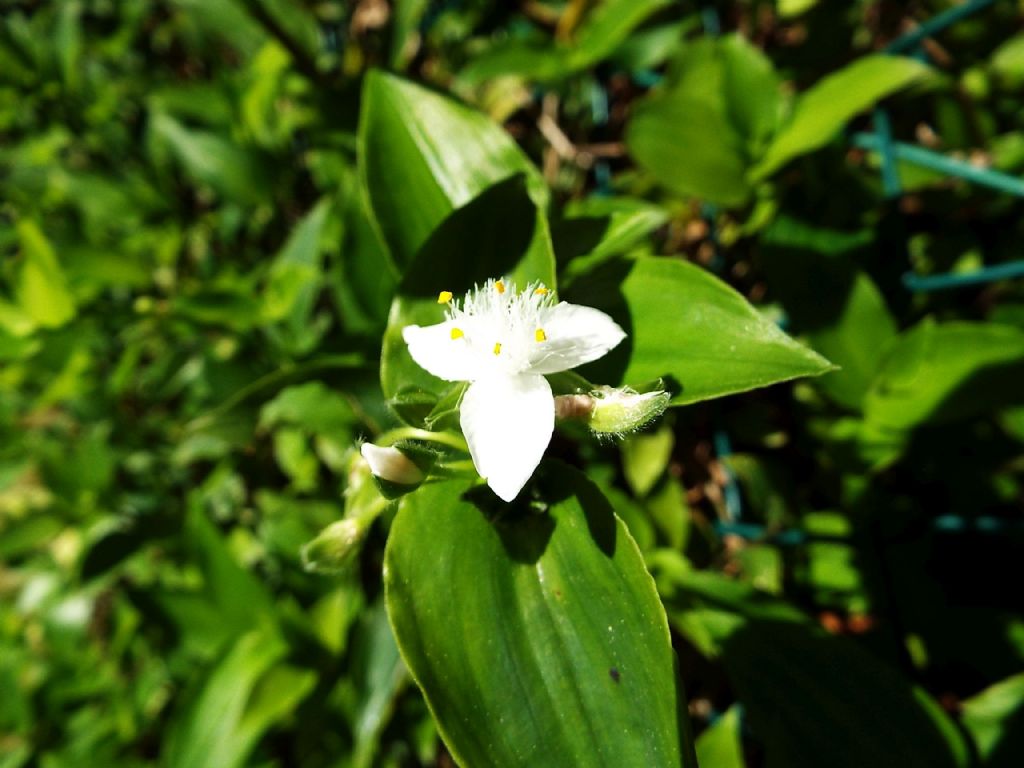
199,261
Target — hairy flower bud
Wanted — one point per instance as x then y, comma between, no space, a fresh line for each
620,411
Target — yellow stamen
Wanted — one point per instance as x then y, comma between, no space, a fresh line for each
457,333
540,290
540,335
444,297
497,347
500,287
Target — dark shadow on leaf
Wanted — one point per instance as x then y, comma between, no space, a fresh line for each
526,524
559,483
485,238
672,385
577,236
987,389
814,699
602,289
524,532
813,287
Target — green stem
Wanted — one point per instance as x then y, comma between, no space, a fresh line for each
412,433
454,469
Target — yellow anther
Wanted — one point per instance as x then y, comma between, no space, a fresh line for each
444,297
497,347
500,287
540,335
540,290
457,333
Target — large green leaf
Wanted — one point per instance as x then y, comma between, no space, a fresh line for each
424,155
688,149
698,134
812,698
826,107
946,372
688,327
500,233
537,637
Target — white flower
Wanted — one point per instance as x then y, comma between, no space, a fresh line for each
503,342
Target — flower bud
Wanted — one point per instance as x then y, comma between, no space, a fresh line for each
399,469
391,465
619,411
336,545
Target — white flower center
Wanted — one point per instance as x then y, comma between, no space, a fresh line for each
503,328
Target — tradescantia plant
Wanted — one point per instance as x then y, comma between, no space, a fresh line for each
519,601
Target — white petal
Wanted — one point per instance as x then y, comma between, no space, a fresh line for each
434,350
508,422
574,335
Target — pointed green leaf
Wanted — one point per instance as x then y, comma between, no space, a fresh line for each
244,694
424,155
995,719
825,108
537,637
42,288
946,372
686,326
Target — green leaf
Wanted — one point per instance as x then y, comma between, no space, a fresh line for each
241,598
42,289
826,107
363,280
312,407
645,457
598,228
499,233
379,677
537,638
995,719
241,698
698,134
690,156
605,27
208,158
946,372
852,328
294,274
809,697
424,155
689,328
1007,61
719,746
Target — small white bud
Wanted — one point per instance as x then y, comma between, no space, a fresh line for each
391,464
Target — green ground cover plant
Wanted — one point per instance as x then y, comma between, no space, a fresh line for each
584,383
